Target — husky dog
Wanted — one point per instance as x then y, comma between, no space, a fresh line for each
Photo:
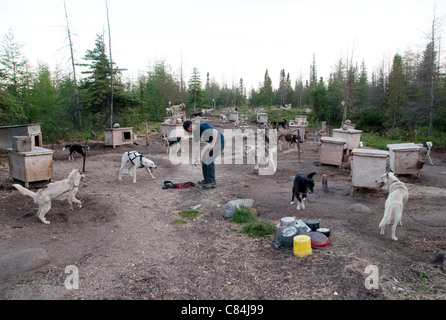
262,151
136,160
426,148
60,190
398,196
301,186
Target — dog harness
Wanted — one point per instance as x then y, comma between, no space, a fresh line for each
170,185
135,155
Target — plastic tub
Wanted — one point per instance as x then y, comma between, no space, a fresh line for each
302,245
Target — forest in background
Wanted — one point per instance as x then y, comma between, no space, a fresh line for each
397,100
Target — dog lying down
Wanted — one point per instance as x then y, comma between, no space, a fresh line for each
60,190
136,160
398,196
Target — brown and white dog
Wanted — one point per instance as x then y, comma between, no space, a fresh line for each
398,196
60,190
136,160
290,138
174,110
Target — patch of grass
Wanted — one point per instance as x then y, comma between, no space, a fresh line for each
258,229
243,215
252,226
190,213
178,221
373,141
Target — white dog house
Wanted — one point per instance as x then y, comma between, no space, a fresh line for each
367,165
118,136
233,116
405,158
172,130
352,136
331,151
262,118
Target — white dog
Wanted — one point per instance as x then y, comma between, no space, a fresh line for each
398,196
426,149
136,160
60,190
262,151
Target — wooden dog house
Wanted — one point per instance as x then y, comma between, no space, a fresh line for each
351,136
367,165
31,166
172,130
262,118
118,136
31,131
331,151
405,158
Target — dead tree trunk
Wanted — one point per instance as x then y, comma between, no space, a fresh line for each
111,69
76,93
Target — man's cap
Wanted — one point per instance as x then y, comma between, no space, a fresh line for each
186,124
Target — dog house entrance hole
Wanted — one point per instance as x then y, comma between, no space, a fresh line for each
37,141
127,135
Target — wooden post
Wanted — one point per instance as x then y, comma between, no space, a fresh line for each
52,139
147,133
85,155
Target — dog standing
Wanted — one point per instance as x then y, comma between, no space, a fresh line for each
76,148
398,196
137,160
262,151
301,186
290,138
426,148
171,142
60,190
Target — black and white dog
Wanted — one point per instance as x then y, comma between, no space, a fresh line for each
301,186
170,142
76,148
136,160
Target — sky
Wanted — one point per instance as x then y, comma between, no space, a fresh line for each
229,39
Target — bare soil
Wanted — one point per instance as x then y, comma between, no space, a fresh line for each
125,246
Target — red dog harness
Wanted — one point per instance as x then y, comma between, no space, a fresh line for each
170,185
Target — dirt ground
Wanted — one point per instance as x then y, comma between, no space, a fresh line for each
124,245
